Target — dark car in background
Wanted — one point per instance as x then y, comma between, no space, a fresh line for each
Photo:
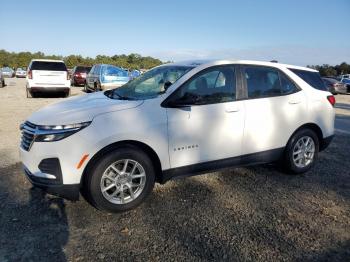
334,86
79,75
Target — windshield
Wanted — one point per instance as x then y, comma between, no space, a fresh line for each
51,66
82,69
150,84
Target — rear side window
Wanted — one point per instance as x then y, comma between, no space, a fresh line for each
49,66
312,78
266,82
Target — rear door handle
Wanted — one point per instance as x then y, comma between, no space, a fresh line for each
294,102
231,109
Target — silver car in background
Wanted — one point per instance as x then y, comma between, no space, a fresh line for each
334,86
21,73
7,72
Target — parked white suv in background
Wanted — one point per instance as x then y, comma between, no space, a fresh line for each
46,75
177,119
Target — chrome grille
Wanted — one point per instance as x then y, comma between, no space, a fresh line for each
28,135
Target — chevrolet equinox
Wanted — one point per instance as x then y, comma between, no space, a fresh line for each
174,120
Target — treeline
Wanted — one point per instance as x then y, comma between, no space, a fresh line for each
133,61
328,70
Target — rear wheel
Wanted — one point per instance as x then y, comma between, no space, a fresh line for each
2,84
120,180
67,93
301,151
28,93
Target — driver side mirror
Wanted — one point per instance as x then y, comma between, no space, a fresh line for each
186,101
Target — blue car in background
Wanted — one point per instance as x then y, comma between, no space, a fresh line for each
346,81
134,73
102,77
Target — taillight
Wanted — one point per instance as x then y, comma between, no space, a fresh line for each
68,76
30,75
331,99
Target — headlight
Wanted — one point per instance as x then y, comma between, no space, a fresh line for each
58,132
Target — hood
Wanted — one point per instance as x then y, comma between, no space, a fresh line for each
79,109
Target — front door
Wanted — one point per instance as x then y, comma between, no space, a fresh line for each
210,127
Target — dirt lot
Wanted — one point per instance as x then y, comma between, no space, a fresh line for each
255,213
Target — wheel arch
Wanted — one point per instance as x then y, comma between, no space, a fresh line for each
126,143
312,126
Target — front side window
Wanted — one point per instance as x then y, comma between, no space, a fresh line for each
150,84
97,70
266,82
92,71
216,85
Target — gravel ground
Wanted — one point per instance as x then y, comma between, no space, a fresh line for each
255,213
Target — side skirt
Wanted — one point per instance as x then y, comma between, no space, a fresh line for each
205,167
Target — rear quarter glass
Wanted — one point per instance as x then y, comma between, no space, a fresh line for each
312,78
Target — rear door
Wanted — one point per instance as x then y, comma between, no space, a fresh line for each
46,72
275,108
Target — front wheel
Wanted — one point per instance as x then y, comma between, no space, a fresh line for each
301,151
120,180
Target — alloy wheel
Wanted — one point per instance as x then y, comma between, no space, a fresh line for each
123,181
304,151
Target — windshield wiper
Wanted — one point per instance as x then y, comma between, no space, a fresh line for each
120,97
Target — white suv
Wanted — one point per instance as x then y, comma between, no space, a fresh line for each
177,119
46,75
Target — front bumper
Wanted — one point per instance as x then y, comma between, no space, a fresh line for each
70,192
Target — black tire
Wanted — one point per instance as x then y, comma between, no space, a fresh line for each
92,189
86,90
29,93
2,84
67,93
289,162
96,87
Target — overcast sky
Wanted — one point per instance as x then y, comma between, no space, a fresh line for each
297,32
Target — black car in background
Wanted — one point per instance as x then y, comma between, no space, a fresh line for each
334,86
